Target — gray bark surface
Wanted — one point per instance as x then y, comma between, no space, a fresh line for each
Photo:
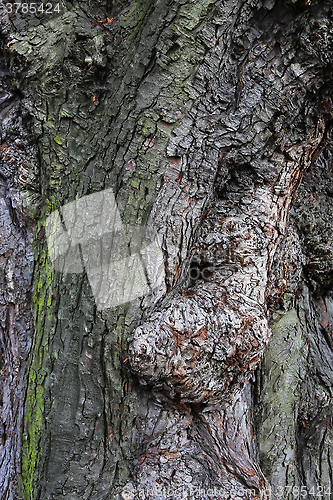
203,118
293,391
18,155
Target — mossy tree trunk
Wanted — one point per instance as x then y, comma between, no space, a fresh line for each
203,118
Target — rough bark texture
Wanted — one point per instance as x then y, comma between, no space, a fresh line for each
294,387
202,117
18,154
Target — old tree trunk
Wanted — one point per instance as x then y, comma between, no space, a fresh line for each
210,122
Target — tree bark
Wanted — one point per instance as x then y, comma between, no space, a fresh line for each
202,117
18,155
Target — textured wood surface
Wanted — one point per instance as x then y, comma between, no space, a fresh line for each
203,118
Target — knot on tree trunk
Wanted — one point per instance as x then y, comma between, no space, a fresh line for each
200,347
208,336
